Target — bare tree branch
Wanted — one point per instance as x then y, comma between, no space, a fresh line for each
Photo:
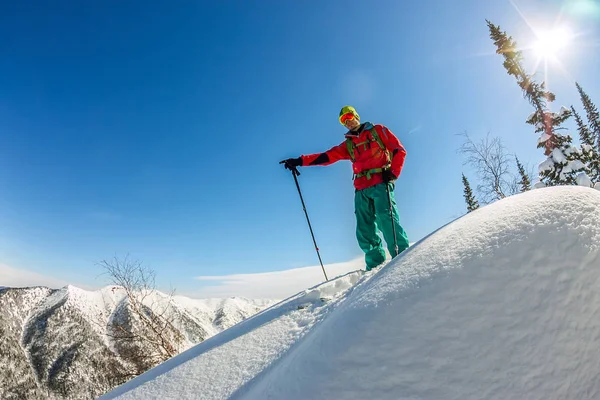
492,165
154,339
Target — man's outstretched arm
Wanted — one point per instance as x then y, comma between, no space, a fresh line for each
336,153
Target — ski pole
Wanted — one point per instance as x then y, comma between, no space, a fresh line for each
295,172
387,188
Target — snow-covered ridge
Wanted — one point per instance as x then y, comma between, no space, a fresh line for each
255,342
501,303
499,226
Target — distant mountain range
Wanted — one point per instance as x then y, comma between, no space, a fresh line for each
58,343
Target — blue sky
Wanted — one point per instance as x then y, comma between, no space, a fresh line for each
155,129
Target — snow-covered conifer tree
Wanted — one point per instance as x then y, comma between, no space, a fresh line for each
563,165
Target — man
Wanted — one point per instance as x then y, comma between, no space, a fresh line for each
377,159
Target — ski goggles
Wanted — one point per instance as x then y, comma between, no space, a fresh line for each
346,117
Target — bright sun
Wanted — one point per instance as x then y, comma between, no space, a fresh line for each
550,43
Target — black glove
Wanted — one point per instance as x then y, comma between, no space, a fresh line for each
387,176
292,163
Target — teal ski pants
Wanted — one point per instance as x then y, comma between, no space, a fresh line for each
372,209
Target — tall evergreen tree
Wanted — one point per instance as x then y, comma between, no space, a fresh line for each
472,203
585,136
590,155
563,165
524,182
592,115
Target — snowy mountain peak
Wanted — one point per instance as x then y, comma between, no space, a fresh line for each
58,343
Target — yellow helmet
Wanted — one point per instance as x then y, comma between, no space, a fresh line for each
346,110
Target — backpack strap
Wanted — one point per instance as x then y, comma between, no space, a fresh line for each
375,138
353,147
369,172
350,146
380,143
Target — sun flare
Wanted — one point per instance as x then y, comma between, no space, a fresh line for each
550,43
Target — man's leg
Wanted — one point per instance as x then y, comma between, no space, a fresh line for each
366,229
382,209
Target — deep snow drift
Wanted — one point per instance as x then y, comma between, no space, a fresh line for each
502,303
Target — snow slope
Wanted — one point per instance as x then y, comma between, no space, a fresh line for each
502,303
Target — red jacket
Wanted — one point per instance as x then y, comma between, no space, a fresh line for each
367,156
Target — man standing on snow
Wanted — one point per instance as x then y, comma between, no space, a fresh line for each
377,158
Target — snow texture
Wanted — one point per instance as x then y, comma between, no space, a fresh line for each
531,116
576,165
502,303
567,169
572,150
583,179
543,138
558,156
547,165
563,110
